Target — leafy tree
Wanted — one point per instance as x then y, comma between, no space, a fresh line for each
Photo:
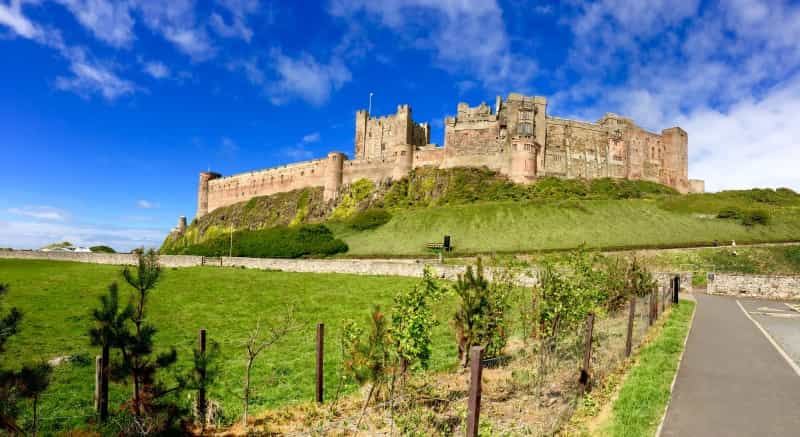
27,383
110,330
480,318
413,321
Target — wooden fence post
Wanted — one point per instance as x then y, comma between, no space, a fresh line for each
650,319
320,358
631,316
587,353
98,380
663,300
201,392
474,405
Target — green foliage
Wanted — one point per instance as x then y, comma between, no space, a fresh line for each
136,347
369,219
481,316
413,322
792,255
61,245
356,193
369,360
733,200
726,261
748,217
756,217
102,249
302,208
565,297
279,242
16,385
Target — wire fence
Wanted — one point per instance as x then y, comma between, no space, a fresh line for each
533,389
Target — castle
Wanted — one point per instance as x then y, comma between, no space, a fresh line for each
516,138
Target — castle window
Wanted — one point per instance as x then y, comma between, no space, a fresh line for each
525,129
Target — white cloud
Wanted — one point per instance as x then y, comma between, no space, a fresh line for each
311,138
110,21
40,212
251,70
11,16
89,77
755,143
466,36
156,69
175,21
33,235
145,204
306,78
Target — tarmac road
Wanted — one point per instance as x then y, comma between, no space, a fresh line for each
732,380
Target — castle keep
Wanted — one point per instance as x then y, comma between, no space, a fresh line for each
515,137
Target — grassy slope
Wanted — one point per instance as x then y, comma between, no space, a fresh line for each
527,226
646,391
56,298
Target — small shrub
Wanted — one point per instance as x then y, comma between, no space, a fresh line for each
102,249
481,316
755,217
792,255
730,213
369,219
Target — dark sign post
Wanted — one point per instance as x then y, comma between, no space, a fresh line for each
676,287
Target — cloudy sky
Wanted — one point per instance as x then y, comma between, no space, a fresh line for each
109,109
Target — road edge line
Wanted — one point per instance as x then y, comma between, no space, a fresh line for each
775,344
677,371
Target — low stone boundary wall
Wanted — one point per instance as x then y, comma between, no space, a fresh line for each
400,267
347,266
764,286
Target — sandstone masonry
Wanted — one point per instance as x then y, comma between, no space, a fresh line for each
763,286
516,137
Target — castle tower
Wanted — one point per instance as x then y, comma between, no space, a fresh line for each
181,228
333,175
362,117
523,162
202,191
404,160
676,158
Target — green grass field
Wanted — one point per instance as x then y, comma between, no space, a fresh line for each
57,297
646,391
546,225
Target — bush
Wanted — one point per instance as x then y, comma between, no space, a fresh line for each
102,249
747,218
369,219
729,213
279,242
755,217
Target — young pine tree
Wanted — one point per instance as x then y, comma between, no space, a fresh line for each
111,330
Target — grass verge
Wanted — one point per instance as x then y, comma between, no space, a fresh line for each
646,391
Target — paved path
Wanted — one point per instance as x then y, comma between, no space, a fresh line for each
732,381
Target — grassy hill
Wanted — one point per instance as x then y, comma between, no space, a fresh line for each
484,212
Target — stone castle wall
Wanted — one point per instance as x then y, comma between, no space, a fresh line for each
516,138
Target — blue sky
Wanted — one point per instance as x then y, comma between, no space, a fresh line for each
110,109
